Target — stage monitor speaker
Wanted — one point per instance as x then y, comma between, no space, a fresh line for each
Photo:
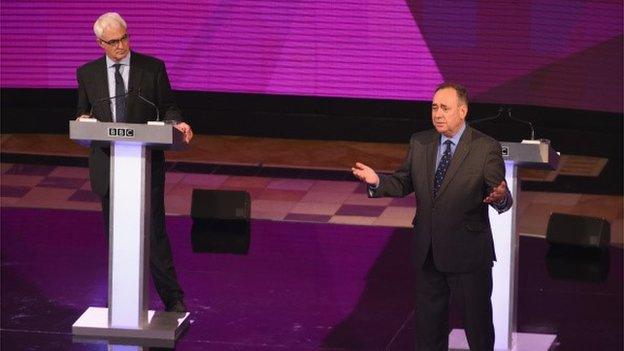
582,231
220,221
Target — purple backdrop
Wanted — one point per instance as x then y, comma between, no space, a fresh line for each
560,53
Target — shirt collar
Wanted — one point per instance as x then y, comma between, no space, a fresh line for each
125,61
455,138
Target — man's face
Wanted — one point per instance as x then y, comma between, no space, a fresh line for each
115,42
447,112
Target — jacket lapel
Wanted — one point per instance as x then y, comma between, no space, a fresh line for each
101,108
134,84
432,150
458,157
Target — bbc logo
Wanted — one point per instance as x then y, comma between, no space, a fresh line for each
121,132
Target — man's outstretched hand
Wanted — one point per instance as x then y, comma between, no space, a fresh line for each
186,130
365,174
497,195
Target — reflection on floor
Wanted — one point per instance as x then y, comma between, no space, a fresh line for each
302,286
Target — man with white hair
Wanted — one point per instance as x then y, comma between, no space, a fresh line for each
105,91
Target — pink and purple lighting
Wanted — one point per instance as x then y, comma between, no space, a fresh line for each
546,53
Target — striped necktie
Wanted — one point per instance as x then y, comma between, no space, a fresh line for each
443,166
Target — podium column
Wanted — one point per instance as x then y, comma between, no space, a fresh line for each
127,319
129,235
504,271
504,279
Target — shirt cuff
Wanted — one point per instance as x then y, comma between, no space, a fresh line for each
502,204
371,189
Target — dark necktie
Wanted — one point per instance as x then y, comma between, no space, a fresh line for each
120,91
443,166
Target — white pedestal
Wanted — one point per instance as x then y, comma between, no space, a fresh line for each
504,280
127,316
520,341
162,328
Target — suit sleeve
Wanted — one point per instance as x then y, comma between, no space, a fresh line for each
84,105
399,183
495,173
166,102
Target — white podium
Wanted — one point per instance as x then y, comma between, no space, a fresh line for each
528,154
127,316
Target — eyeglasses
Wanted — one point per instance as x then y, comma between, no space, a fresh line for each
115,42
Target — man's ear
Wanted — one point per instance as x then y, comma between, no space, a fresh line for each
463,111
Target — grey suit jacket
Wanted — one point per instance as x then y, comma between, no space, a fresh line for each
455,224
148,77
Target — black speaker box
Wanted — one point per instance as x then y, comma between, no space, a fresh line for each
582,231
220,221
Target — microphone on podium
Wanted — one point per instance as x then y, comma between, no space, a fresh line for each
509,116
138,93
106,99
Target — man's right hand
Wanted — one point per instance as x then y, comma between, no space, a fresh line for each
365,174
82,116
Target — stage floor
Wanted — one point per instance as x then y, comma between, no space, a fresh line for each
302,286
289,179
328,268
281,194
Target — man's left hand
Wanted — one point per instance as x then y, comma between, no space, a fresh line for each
186,130
498,194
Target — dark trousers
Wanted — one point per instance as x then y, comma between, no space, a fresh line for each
471,291
161,259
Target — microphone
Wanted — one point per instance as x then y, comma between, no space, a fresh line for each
522,121
108,99
149,103
500,112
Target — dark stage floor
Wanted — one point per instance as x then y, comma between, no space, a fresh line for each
302,286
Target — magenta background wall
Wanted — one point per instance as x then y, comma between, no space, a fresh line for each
557,53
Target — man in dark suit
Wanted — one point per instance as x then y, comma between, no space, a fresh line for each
108,90
455,172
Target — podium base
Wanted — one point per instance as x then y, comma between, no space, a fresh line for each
522,341
163,328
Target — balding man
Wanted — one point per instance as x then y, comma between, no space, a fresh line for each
115,74
455,172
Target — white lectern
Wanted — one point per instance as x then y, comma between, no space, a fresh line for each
127,316
528,154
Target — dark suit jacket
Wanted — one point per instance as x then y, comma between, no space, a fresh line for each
455,224
147,77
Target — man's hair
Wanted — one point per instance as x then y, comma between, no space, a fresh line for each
462,92
107,20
